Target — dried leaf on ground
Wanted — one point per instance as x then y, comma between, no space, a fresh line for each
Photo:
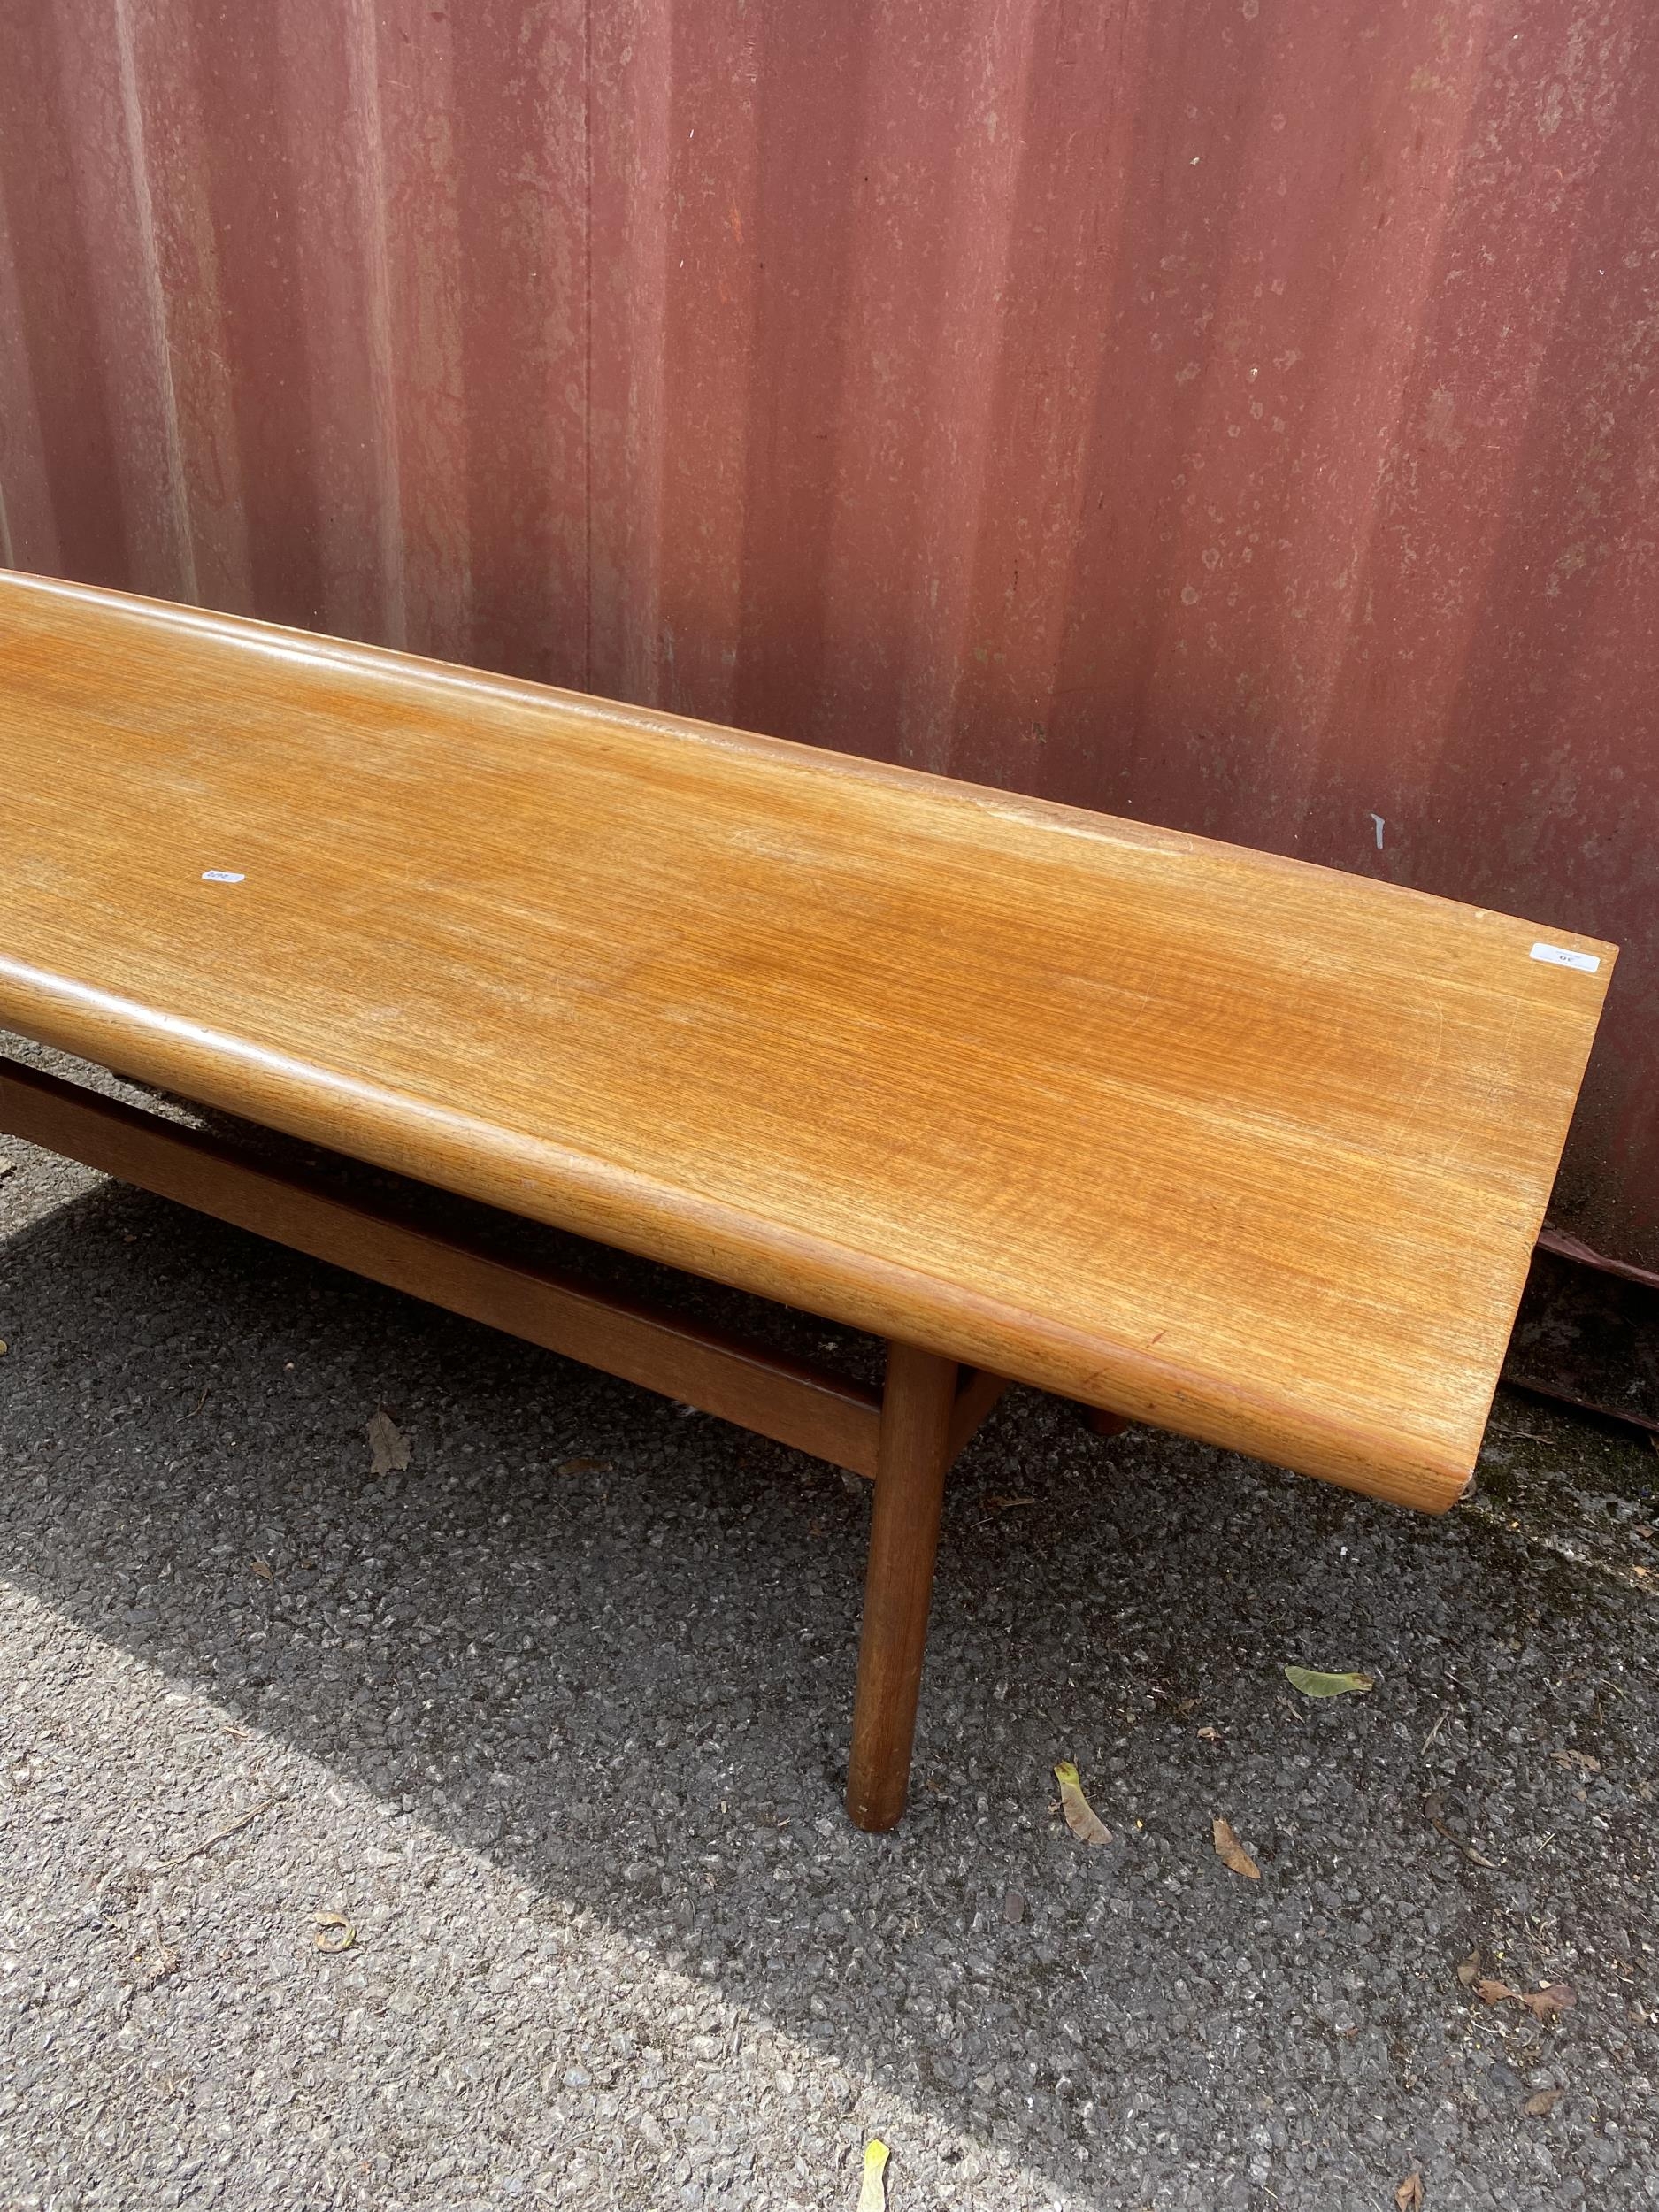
1311,1683
1080,1816
1568,1757
1540,2102
1210,1735
334,1931
263,1569
1544,2004
999,1502
1469,1969
1233,1853
873,2190
584,1467
388,1447
1409,2195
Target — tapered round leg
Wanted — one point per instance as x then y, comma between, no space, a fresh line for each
911,1460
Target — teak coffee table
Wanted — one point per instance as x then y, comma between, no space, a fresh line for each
1240,1147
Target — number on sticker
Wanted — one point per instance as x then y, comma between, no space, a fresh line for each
1563,956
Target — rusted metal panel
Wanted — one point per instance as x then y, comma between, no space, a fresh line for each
1236,414
1591,1337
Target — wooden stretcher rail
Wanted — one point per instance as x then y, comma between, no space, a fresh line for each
789,1400
792,1401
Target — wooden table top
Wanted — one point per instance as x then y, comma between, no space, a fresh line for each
1250,1149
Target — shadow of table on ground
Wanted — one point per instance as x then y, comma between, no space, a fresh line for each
610,1646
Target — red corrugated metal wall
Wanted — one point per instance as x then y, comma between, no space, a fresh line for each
1238,413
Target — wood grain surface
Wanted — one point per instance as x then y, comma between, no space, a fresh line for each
1243,1148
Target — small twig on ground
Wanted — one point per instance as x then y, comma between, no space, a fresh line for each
1474,1857
231,1828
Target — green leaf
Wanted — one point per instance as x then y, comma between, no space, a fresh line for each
872,2188
1312,1684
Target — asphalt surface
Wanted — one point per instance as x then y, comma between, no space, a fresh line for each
554,1721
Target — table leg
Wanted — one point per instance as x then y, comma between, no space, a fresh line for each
1104,1424
912,1455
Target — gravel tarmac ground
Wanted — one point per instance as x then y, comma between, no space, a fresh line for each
555,1720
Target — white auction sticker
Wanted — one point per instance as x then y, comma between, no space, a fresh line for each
221,875
1562,957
